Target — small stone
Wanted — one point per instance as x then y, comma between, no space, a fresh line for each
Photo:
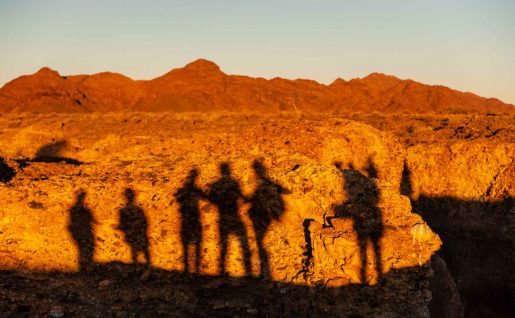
122,314
145,276
252,311
220,304
215,283
35,205
421,232
105,283
57,311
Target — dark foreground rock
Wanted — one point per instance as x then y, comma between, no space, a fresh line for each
119,290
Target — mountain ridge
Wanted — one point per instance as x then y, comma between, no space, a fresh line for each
202,86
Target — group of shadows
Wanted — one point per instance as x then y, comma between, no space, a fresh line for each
266,205
473,252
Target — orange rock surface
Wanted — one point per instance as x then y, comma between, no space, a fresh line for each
351,202
297,154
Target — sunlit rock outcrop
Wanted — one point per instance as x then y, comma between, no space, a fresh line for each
304,211
297,164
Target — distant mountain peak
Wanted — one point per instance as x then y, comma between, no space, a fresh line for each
380,80
338,81
46,71
380,76
199,69
203,66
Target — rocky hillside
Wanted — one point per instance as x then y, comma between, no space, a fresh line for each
411,218
202,86
202,214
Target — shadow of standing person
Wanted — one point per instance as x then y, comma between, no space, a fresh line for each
361,206
406,186
267,204
225,194
80,227
188,198
134,225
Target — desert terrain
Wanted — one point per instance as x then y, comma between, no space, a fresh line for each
204,194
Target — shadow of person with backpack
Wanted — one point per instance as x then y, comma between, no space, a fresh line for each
225,193
188,197
361,206
267,204
135,227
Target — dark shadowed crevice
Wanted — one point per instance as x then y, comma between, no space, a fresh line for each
478,250
6,172
50,153
307,261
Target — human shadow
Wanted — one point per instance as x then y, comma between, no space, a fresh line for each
225,193
135,227
405,186
188,197
167,291
80,226
361,206
267,204
6,172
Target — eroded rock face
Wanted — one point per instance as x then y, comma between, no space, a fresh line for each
256,192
